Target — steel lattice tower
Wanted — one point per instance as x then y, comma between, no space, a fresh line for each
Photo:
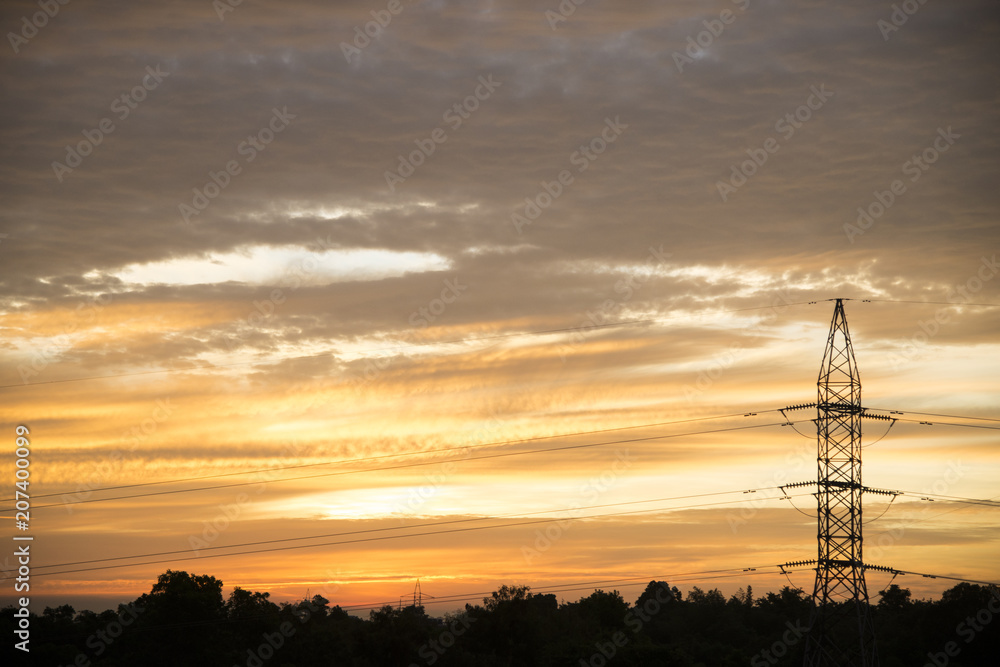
841,632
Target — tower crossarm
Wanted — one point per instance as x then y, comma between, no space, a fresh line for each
868,415
881,492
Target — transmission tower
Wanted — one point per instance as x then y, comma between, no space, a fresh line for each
841,633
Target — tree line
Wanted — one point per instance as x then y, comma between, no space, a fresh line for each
185,620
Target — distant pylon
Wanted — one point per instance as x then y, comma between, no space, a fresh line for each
841,633
418,597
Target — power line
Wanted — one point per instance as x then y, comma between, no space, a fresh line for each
421,463
483,518
934,414
985,502
912,412
374,539
432,451
564,588
420,525
438,450
927,423
881,437
935,516
887,508
954,499
922,574
403,454
933,303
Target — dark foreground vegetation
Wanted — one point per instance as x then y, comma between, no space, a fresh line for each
184,620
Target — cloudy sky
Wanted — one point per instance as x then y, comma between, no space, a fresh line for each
255,238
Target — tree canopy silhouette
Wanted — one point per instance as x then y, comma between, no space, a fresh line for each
184,620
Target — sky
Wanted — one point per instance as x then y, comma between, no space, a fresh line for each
354,263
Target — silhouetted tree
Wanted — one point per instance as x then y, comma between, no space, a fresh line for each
182,616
